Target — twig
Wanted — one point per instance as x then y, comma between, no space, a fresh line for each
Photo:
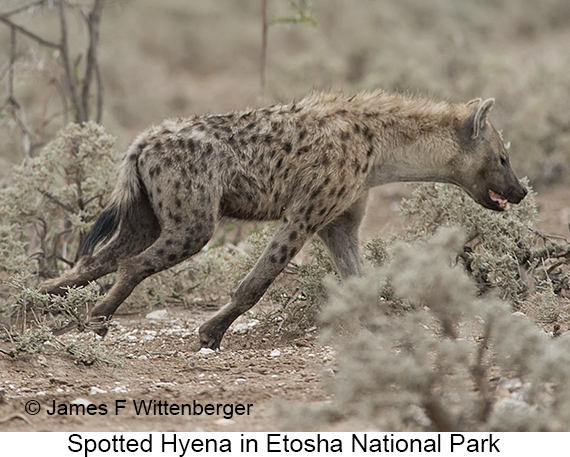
478,372
93,20
22,8
32,35
8,353
263,57
3,420
68,67
55,200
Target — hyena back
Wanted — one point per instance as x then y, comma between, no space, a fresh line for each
308,164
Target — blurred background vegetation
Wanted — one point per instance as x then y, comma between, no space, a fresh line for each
177,57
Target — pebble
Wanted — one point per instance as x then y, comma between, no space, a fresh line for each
223,422
158,314
96,390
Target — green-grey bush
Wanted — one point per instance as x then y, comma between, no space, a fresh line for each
51,200
503,251
45,210
442,364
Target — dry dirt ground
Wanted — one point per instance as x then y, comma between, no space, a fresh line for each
159,363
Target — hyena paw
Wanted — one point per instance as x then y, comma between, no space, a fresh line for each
210,338
99,325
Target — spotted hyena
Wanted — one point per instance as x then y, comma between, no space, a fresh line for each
308,164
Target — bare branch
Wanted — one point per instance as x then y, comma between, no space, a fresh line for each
80,114
263,57
479,371
99,79
93,20
61,92
33,36
11,98
57,201
22,8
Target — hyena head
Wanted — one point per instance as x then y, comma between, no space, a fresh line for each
486,172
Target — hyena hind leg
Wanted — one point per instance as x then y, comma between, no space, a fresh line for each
173,246
129,241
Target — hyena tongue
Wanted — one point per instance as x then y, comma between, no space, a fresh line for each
499,199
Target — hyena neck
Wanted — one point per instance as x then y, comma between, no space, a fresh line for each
415,143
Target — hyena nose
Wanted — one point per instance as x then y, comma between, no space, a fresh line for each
521,193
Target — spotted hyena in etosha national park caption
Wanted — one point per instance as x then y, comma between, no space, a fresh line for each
308,164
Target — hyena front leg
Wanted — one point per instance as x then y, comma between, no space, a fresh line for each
286,243
177,242
341,238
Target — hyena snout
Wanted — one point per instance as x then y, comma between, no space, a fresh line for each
514,190
498,197
519,192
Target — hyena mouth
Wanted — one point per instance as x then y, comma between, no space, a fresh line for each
498,199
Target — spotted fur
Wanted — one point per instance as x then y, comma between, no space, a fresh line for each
308,164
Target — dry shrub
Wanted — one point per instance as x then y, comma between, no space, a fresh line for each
503,252
445,364
51,200
45,210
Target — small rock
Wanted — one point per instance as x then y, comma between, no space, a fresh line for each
275,353
206,351
223,422
42,360
96,390
158,314
326,373
244,327
511,385
81,401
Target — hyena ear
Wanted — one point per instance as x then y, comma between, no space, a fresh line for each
474,102
477,121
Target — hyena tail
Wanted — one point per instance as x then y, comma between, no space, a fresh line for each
122,206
